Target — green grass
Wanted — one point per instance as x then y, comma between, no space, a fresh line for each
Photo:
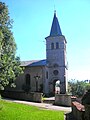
15,111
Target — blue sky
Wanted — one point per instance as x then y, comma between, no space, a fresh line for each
32,23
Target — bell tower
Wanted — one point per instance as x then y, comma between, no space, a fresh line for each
56,57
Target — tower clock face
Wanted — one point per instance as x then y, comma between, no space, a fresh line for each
55,72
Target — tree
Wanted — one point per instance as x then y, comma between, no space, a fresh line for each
77,88
9,63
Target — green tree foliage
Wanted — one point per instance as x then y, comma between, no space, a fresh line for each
9,63
78,88
87,86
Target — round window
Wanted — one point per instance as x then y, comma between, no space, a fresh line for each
55,72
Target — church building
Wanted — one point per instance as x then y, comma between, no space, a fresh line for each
42,75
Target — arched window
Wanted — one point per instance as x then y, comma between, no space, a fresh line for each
52,45
47,74
27,79
57,45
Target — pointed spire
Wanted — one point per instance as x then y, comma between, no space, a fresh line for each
55,29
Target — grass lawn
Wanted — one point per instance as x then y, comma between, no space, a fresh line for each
16,111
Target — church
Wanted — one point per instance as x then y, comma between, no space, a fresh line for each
42,75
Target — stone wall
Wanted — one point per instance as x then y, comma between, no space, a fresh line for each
87,112
63,99
32,71
78,110
32,96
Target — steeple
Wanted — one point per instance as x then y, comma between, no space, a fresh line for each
55,29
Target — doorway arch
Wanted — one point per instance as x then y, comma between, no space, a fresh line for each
56,85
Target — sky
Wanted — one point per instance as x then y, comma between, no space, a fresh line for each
32,23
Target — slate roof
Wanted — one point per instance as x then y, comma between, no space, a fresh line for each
55,29
33,63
